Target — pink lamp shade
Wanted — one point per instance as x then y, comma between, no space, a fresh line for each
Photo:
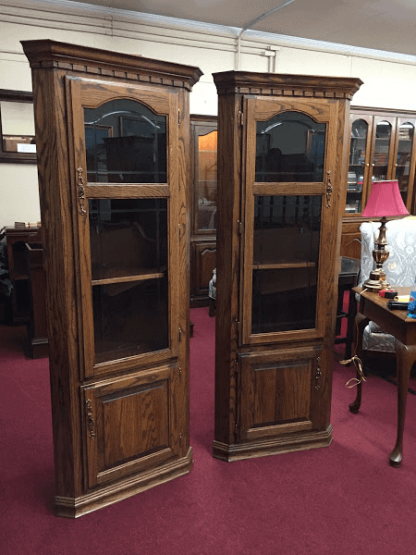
385,200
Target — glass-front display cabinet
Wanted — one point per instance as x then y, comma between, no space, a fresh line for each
113,141
204,205
405,159
382,146
277,258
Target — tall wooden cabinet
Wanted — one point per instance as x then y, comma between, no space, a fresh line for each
282,166
113,148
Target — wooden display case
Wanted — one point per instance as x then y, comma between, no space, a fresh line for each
382,146
283,154
114,147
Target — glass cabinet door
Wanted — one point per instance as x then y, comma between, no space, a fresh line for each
381,150
284,215
126,143
125,208
402,168
357,169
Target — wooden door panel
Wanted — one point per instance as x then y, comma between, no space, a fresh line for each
129,424
205,257
277,393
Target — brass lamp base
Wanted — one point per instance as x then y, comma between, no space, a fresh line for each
376,281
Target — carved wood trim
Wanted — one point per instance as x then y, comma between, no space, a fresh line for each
48,54
263,84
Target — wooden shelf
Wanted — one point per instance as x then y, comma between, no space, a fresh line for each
124,276
284,265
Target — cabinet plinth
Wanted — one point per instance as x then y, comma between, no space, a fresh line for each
282,169
113,139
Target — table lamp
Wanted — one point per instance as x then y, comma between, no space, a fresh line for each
385,201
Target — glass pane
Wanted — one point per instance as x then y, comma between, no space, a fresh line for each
128,239
130,318
381,151
206,188
285,262
125,143
404,153
359,131
290,147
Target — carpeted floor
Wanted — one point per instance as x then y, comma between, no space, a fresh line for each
344,499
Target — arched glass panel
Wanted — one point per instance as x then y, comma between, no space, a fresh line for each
359,132
206,187
381,150
290,147
404,154
125,143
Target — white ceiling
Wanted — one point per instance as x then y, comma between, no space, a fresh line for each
388,25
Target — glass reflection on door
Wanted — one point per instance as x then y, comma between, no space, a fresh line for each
403,158
290,147
125,143
285,262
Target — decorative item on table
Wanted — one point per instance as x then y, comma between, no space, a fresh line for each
385,201
411,309
388,293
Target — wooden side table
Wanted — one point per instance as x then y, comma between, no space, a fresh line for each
373,307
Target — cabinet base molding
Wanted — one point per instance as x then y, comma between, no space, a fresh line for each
74,507
285,444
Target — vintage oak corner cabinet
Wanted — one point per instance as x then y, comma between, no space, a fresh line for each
282,160
113,147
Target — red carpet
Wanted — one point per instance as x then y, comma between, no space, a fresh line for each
344,499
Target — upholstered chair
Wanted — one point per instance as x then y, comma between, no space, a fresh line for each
400,269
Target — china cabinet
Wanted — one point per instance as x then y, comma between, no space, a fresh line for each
282,171
204,205
382,146
113,147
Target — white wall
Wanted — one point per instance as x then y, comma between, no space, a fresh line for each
389,80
